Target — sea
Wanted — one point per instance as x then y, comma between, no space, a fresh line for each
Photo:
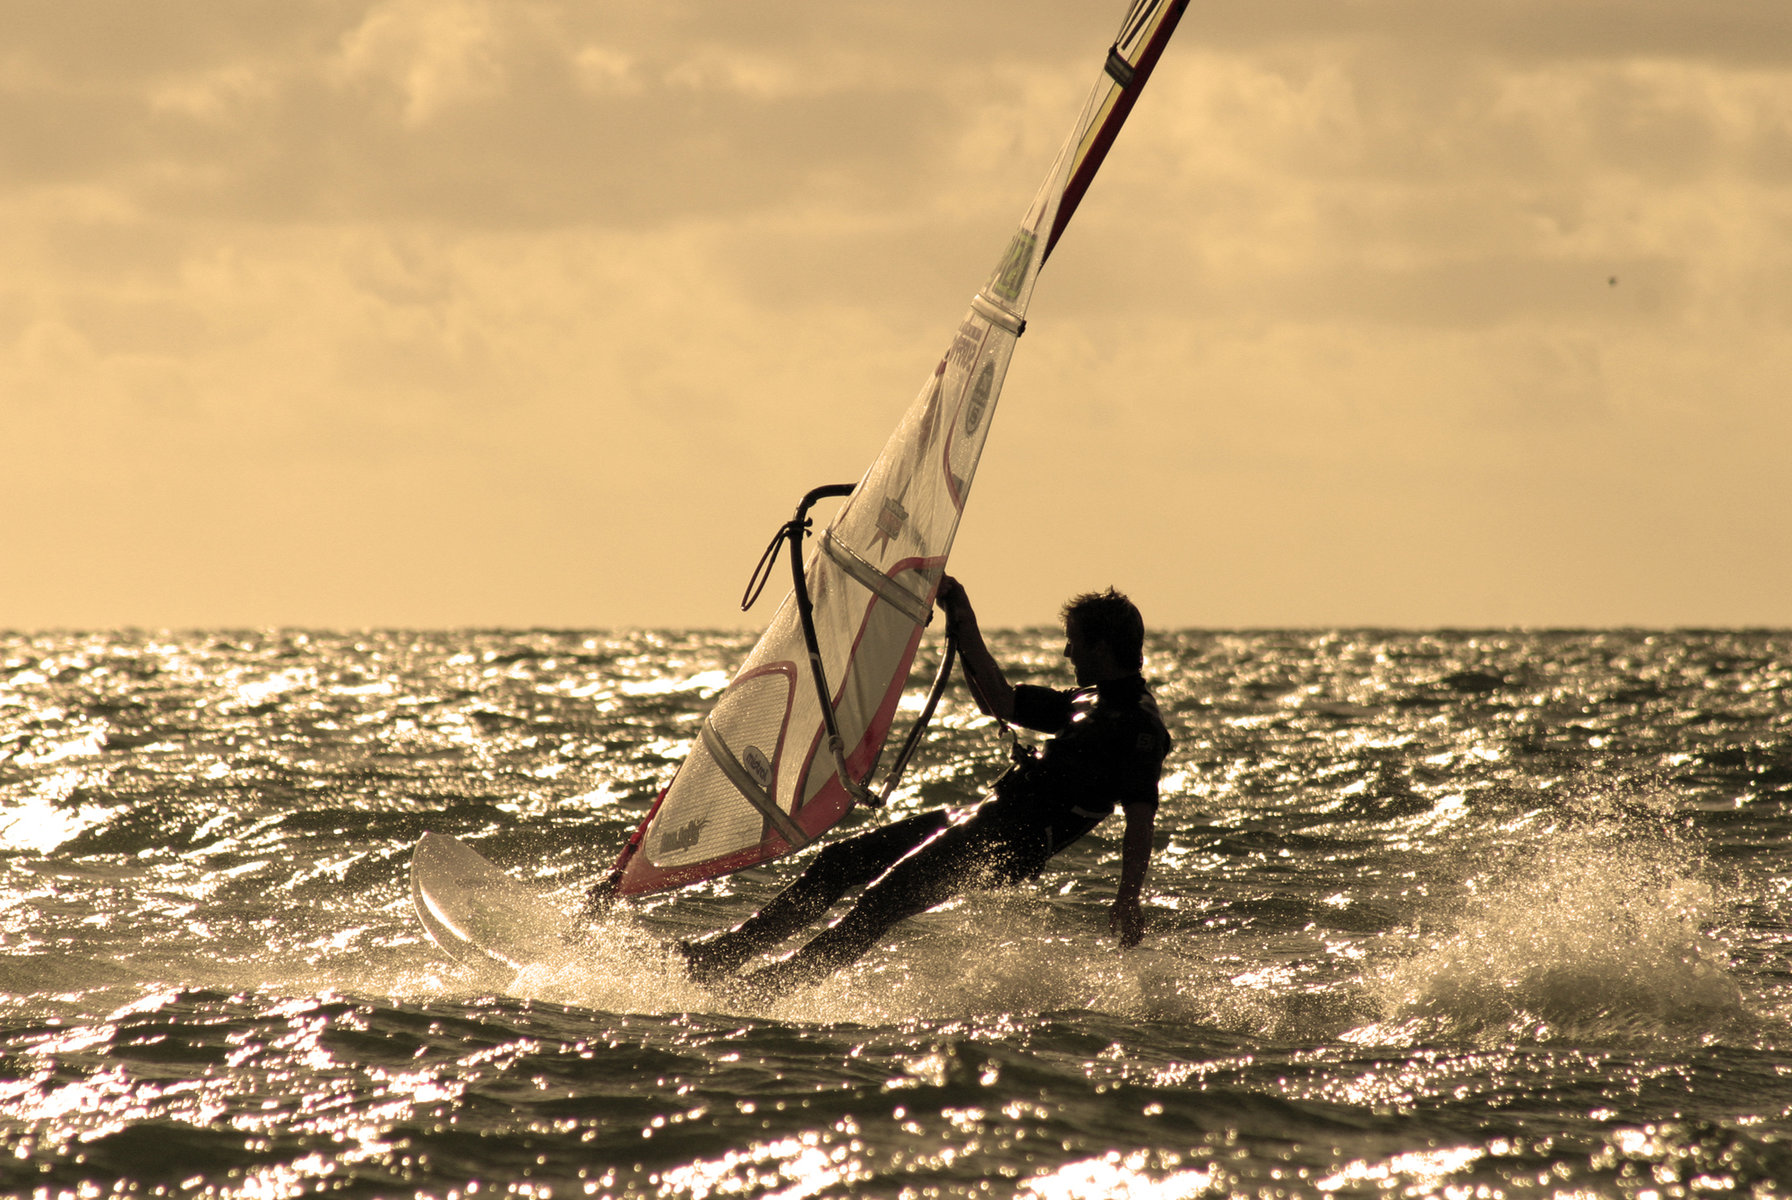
1462,914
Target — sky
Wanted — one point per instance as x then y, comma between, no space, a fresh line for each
436,313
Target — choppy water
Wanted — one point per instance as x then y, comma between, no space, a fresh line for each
1434,914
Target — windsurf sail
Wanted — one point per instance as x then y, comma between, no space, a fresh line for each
765,776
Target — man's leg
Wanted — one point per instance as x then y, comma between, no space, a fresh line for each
977,854
840,867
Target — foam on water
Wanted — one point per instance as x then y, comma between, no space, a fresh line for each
1600,933
982,957
1604,928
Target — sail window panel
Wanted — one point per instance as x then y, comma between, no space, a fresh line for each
751,716
869,684
888,637
704,816
839,603
886,642
885,587
845,654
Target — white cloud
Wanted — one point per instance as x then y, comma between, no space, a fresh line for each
607,69
435,53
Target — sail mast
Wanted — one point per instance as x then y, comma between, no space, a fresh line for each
1129,64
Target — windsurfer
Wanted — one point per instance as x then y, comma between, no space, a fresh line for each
1107,748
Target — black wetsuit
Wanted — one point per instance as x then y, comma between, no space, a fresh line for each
1108,748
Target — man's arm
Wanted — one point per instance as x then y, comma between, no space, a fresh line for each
1126,921
989,687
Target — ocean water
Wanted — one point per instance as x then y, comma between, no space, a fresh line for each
1432,914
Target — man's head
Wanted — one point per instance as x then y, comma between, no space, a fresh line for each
1104,636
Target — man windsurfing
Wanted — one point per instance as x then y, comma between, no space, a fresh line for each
1106,750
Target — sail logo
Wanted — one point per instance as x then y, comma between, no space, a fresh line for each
978,404
1012,274
891,520
685,837
754,760
965,346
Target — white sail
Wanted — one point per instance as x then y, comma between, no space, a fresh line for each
762,778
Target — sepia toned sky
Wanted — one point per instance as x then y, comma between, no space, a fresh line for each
502,312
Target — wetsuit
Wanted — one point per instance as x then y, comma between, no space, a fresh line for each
1108,749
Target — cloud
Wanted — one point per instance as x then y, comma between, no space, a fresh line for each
1721,32
484,114
436,54
513,281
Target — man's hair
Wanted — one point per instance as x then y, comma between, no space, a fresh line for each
1112,620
